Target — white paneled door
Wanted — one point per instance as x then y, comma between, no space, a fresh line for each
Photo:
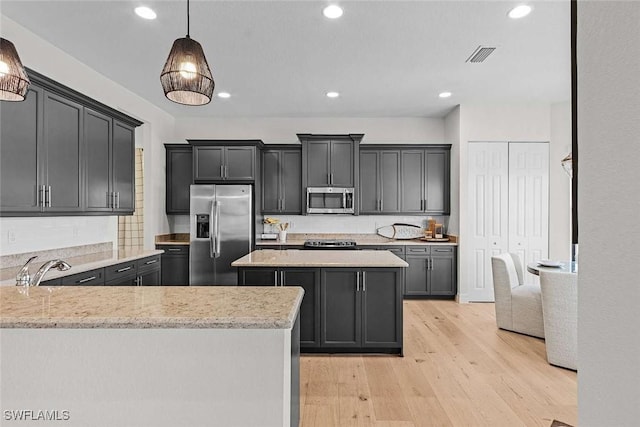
509,207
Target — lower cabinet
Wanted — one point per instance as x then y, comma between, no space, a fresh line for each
431,271
343,309
175,265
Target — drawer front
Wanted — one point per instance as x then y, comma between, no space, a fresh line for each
88,278
148,264
396,250
418,249
125,269
442,250
174,249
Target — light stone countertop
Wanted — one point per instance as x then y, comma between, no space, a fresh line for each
140,307
298,239
79,264
172,239
319,258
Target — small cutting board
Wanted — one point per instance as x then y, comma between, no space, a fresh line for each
401,231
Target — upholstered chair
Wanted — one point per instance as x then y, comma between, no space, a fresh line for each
560,309
518,306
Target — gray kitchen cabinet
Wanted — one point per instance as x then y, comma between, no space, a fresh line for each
425,180
88,278
21,153
330,160
281,181
213,161
309,280
175,265
379,181
340,308
179,170
56,157
381,312
431,271
144,271
266,276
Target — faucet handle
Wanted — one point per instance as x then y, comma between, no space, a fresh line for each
23,277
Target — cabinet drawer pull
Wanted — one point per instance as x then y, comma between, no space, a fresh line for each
174,249
88,279
123,269
443,250
153,261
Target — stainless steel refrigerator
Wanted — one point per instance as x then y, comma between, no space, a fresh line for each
221,231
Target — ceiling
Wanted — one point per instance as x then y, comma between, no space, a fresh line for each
279,58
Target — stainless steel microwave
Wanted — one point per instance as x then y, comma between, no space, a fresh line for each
332,200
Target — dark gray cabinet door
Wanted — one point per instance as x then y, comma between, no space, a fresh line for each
175,265
442,276
150,278
389,181
123,156
341,308
291,182
271,170
318,163
382,307
267,276
369,182
416,275
208,163
21,153
239,163
309,280
412,165
88,278
436,181
341,162
98,164
179,178
62,134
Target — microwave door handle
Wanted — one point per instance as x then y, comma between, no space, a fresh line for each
218,239
212,242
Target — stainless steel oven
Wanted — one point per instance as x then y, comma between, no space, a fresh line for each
334,200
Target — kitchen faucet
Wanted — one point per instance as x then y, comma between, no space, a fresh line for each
24,279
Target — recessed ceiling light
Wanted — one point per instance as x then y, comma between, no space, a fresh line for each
444,94
145,12
224,95
332,94
332,11
520,11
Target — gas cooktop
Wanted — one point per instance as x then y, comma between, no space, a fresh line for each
330,244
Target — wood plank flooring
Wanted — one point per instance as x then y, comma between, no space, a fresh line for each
458,369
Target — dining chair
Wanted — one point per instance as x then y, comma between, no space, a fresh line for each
560,310
518,306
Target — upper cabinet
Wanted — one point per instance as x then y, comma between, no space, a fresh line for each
65,154
282,180
379,181
425,180
179,177
330,160
224,160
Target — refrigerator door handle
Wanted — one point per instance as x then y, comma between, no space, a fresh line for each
212,243
218,239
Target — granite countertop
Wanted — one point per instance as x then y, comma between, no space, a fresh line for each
189,307
298,239
80,264
172,239
319,258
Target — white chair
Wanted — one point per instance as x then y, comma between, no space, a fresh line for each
518,306
560,309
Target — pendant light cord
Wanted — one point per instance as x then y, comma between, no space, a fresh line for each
188,19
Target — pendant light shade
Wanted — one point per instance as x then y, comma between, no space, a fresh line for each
14,81
186,77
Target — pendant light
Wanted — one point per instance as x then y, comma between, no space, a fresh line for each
186,77
567,165
14,81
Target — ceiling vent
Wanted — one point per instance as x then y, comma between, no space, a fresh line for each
480,54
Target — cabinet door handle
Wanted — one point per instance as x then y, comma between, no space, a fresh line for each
118,200
275,277
221,171
331,179
357,281
42,202
282,278
124,269
113,199
364,281
282,204
139,281
226,171
49,196
381,205
153,261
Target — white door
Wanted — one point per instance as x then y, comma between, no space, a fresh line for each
529,202
488,192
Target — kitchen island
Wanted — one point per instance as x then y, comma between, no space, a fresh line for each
150,356
352,302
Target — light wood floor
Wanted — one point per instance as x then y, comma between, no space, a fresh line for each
458,370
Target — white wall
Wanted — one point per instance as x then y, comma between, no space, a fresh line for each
513,122
452,136
609,196
559,183
40,55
